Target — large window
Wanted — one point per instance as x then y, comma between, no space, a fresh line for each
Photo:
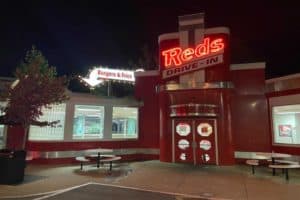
286,124
2,136
47,133
124,122
88,122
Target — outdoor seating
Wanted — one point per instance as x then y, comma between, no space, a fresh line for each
99,160
285,167
252,163
82,160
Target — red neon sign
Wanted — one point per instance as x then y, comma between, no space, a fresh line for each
176,56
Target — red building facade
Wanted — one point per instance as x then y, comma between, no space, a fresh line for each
196,108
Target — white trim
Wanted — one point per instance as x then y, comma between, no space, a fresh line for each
282,78
168,36
147,73
247,66
175,35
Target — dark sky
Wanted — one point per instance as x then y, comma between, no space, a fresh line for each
75,35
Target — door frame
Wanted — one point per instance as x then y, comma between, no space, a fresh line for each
194,133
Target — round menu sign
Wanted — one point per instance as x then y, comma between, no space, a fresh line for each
205,144
183,129
204,129
183,144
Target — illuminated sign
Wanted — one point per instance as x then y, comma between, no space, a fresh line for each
98,75
178,61
177,56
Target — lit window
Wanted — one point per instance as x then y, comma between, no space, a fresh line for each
124,122
2,136
88,122
286,124
46,133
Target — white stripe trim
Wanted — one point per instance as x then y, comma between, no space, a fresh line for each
175,35
247,66
282,78
191,22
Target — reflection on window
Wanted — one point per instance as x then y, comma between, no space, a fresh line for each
286,124
88,122
46,133
124,123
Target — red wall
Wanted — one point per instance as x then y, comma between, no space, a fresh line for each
250,111
149,113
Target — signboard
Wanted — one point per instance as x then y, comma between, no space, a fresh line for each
204,129
285,130
205,144
98,75
183,129
177,61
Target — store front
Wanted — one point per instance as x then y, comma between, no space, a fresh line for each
197,108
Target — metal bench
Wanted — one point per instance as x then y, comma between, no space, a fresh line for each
82,160
285,162
110,160
285,168
252,163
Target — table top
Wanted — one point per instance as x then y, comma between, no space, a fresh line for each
100,150
273,155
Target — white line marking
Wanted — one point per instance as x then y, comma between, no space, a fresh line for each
57,192
62,191
156,191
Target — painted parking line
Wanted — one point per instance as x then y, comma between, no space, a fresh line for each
177,196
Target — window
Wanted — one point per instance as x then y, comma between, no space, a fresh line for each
88,122
124,122
2,136
46,133
286,124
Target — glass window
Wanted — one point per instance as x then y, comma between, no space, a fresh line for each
88,122
124,122
2,136
286,124
46,133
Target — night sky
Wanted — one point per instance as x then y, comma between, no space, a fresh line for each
76,35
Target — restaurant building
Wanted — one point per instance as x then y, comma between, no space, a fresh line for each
196,108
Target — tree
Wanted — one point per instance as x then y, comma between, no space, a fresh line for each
148,60
36,86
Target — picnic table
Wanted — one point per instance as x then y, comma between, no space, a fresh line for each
99,156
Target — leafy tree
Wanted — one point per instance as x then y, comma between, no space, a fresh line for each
36,86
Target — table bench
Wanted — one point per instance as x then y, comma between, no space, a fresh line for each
104,159
82,160
252,163
110,160
285,168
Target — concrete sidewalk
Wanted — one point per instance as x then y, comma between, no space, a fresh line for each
232,182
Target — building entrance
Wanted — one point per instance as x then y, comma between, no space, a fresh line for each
194,141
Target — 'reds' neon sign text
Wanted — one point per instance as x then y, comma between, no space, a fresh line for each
176,56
